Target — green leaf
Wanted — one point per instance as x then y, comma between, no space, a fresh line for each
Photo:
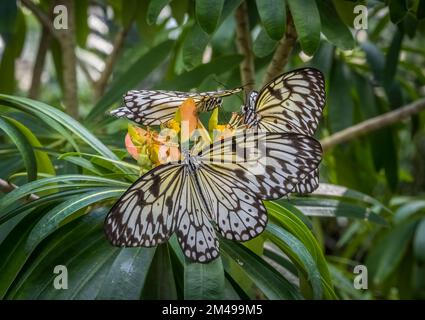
81,22
273,17
80,246
296,227
47,113
23,146
194,78
129,79
307,23
420,13
22,210
398,10
392,58
409,209
179,9
204,281
129,11
333,201
419,242
12,255
409,24
154,9
8,14
346,10
56,217
208,13
12,50
375,59
297,251
263,44
388,252
160,283
268,280
127,275
340,104
194,46
333,27
44,165
54,182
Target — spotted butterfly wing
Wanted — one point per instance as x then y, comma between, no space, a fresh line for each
210,190
155,107
292,102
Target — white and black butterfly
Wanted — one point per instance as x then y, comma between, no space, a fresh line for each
221,189
155,107
292,102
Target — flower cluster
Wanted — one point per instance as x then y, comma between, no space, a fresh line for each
151,148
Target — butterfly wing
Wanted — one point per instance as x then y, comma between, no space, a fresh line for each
268,164
292,102
194,230
237,212
146,213
155,107
163,201
309,184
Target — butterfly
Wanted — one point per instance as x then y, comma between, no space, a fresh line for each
156,107
217,190
292,102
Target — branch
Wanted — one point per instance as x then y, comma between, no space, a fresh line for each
41,17
244,45
101,83
69,61
282,52
86,72
37,71
373,124
7,187
66,40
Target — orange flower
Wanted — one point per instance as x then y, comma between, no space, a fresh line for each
150,148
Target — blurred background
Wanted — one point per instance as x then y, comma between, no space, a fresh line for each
64,64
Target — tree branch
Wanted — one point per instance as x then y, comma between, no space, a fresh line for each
244,45
66,38
7,187
69,61
38,68
373,124
282,52
41,17
86,72
101,83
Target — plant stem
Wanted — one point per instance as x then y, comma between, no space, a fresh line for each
373,124
43,47
66,38
282,52
244,45
100,84
7,187
69,61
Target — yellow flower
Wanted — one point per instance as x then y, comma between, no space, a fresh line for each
218,131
